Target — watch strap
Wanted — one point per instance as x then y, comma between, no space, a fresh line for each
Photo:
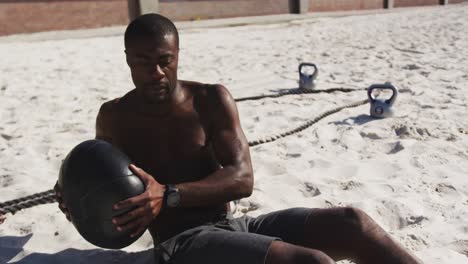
170,188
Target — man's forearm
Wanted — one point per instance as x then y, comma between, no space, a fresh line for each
224,185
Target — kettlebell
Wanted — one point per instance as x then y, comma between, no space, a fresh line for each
382,108
307,81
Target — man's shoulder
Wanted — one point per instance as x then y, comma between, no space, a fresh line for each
114,105
212,93
109,105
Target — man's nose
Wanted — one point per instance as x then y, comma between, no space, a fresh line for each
158,73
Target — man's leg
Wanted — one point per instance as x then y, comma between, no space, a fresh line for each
212,245
341,233
282,253
350,233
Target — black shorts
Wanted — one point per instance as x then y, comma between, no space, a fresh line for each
243,240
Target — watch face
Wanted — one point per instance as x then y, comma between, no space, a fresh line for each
173,199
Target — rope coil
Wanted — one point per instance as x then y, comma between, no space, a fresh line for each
48,196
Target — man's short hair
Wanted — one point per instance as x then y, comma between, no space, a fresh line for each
150,25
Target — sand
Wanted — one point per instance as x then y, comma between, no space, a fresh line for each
408,172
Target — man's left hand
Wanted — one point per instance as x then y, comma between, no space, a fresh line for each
147,205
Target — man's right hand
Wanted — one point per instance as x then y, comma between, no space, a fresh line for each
62,206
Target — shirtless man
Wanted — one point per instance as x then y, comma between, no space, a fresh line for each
186,139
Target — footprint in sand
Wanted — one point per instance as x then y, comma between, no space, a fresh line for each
293,155
414,220
351,185
371,135
447,191
399,215
6,137
411,67
405,131
6,180
413,241
427,106
395,147
387,188
463,131
310,190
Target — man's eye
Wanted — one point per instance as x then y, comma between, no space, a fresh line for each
164,63
144,63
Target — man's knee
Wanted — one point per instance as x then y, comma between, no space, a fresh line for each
361,222
281,252
348,218
348,221
357,218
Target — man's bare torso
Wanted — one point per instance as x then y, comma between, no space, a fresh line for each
173,147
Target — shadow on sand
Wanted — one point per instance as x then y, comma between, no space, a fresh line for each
285,90
11,246
357,120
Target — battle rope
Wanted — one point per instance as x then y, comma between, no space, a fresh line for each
16,205
297,91
306,124
46,197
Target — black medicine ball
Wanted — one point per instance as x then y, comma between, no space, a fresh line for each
93,177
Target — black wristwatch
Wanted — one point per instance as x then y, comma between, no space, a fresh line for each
171,196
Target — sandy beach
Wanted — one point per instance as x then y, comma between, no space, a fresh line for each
409,172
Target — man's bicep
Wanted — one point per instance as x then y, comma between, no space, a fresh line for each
231,147
102,126
229,142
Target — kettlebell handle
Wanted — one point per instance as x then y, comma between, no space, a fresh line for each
308,64
386,86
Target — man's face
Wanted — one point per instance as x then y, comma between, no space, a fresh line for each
153,64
